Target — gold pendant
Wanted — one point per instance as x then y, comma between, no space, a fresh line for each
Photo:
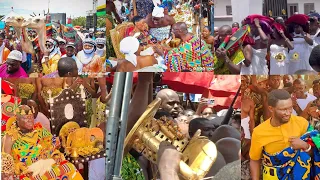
280,57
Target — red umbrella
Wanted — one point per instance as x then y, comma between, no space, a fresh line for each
188,82
223,90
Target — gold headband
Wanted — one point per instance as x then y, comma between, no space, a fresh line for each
20,111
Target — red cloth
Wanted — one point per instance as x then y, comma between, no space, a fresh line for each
300,19
250,19
188,82
6,88
280,27
223,90
7,108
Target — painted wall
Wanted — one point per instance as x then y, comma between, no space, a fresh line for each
301,4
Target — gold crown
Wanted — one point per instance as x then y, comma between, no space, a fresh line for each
20,111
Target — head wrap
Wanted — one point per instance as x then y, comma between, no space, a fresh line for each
298,19
100,41
280,27
158,12
265,22
129,46
90,42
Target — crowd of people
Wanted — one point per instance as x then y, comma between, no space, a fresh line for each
262,45
280,127
32,52
270,46
34,96
163,36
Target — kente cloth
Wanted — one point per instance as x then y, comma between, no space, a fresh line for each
220,67
292,164
7,108
190,56
63,171
31,147
26,90
19,74
160,33
299,56
52,65
130,169
279,60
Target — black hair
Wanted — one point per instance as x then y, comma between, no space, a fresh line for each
161,113
276,95
292,25
2,35
208,28
136,19
66,65
194,123
314,59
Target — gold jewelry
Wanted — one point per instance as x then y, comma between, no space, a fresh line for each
7,163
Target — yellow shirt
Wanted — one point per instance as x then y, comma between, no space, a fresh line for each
275,139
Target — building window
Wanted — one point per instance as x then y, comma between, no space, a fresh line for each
229,10
292,8
308,7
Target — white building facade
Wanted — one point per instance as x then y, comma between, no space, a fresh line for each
228,11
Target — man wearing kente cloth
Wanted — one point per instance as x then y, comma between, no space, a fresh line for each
33,151
110,24
191,55
287,144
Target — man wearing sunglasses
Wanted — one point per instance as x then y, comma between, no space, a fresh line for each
50,60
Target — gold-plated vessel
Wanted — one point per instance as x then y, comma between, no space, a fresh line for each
198,153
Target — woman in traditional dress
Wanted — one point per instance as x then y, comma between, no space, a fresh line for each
280,44
298,26
260,29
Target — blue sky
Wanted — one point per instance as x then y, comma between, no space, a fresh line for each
73,8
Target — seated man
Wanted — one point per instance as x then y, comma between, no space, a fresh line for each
191,55
12,68
287,144
34,150
133,62
160,24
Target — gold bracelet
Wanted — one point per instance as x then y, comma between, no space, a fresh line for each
7,163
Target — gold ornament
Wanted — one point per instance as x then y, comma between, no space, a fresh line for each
7,164
295,56
280,57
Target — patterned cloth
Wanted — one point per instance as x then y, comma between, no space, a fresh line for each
292,164
160,33
7,109
188,56
38,144
144,7
26,90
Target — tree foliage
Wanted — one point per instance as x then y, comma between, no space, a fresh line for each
79,21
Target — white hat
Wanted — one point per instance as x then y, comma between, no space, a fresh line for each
178,6
15,55
158,12
100,41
